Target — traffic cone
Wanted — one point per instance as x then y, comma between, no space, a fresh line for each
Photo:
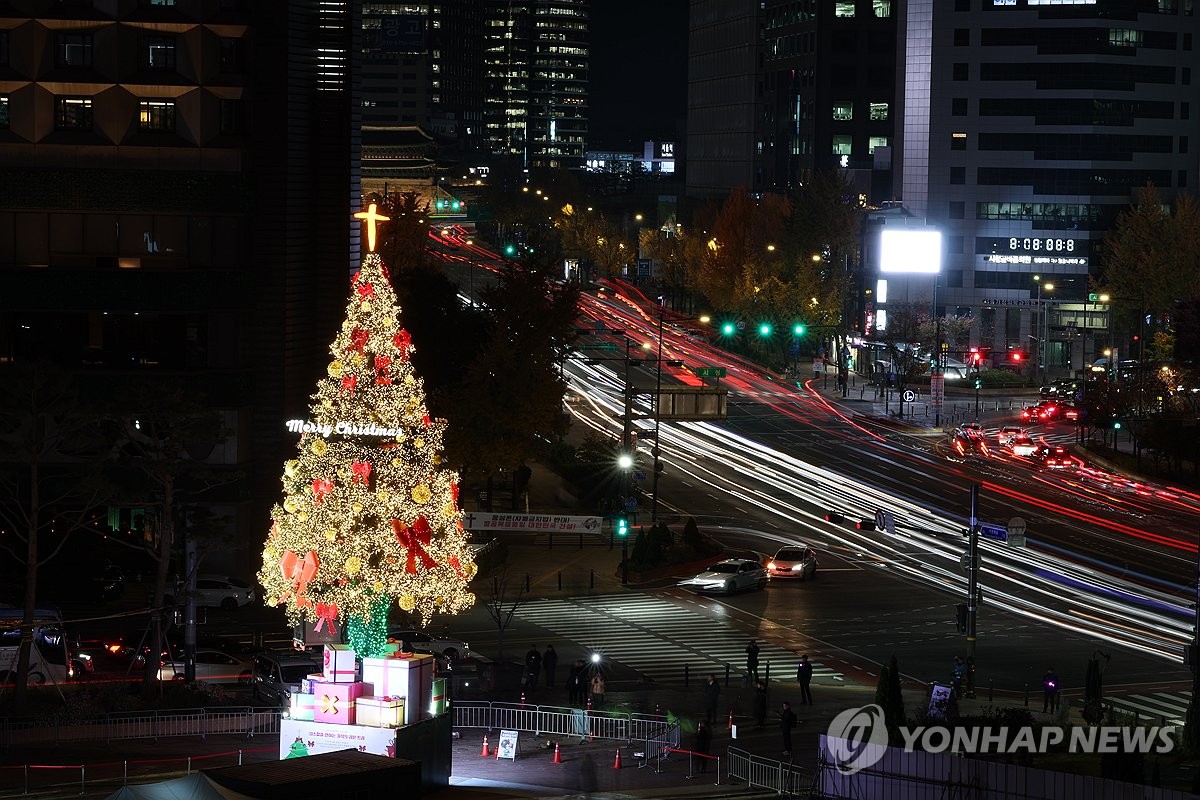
589,704
617,763
522,699
485,753
557,758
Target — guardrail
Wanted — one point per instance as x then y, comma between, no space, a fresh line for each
765,773
654,731
198,722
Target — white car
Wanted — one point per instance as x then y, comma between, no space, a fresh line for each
212,666
422,642
217,591
729,576
793,561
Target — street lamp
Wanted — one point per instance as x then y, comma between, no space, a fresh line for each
1043,344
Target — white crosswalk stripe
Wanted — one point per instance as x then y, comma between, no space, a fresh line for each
1153,708
659,639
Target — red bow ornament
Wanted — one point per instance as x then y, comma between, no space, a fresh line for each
348,383
358,340
382,364
366,291
321,487
425,419
360,472
457,565
454,492
298,572
414,540
402,341
327,612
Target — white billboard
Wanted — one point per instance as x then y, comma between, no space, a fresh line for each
910,251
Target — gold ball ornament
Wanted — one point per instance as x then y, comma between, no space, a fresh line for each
378,587
335,369
471,570
289,505
330,535
353,565
291,467
450,509
397,462
359,359
437,459
365,305
319,447
382,496
269,553
409,379
356,507
418,442
327,403
407,602
302,516
421,494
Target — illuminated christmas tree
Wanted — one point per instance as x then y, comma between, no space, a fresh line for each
368,516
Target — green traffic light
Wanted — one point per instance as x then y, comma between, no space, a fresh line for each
727,329
798,329
509,249
622,526
978,383
1116,424
764,329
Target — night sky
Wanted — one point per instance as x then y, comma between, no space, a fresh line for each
638,79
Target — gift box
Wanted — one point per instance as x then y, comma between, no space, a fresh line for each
441,701
339,664
379,712
409,678
309,683
304,707
335,701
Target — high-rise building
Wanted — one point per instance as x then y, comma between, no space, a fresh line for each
536,62
179,178
1027,127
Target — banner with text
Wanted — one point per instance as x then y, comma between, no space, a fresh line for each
556,523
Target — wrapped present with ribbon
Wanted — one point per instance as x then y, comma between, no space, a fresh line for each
335,702
340,664
380,712
410,679
441,700
308,683
303,707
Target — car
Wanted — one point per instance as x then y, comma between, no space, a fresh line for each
212,666
969,438
1008,434
1023,445
729,576
218,591
1054,457
277,676
793,561
419,641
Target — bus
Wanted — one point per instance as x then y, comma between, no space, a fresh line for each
49,658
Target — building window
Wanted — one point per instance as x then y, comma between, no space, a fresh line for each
158,52
73,50
231,116
843,111
962,37
1182,179
1185,108
961,72
3,48
230,60
1183,145
958,175
1187,76
962,5
958,107
844,9
156,115
957,209
841,144
882,8
3,112
1124,37
152,3
879,111
876,141
958,141
73,113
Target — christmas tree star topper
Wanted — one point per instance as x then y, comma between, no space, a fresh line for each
370,217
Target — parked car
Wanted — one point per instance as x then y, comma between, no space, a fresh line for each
423,642
729,576
218,591
277,676
212,666
793,561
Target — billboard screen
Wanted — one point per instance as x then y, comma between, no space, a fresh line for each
910,251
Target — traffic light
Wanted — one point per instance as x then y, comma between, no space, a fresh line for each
1016,356
510,249
622,526
764,329
961,617
978,383
798,329
728,329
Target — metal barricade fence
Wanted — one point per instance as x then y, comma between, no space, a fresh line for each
199,722
562,721
767,773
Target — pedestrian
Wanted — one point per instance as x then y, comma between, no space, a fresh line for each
598,690
549,664
703,743
959,672
712,693
787,721
575,682
1050,691
752,660
760,703
533,663
804,672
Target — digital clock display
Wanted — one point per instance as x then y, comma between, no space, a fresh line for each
1037,244
1034,250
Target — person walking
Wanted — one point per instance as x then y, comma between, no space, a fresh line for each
712,694
1050,691
760,703
703,743
533,663
752,661
804,673
598,690
787,721
549,664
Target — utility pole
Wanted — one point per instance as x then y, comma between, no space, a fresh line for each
657,410
972,588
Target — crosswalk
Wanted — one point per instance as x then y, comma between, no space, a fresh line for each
662,640
1154,708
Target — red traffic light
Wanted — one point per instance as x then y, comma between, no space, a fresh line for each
1016,355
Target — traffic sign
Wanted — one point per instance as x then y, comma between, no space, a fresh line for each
639,475
710,372
989,531
1016,532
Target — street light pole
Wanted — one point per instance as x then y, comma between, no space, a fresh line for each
1043,345
657,410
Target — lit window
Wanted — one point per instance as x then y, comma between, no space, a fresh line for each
1124,37
876,141
882,8
843,8
73,113
156,115
879,111
841,144
3,112
843,111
